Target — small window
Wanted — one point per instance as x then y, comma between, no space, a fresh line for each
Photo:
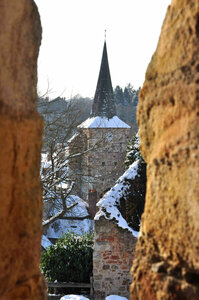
103,163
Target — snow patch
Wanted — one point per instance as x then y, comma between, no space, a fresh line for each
73,137
45,162
115,297
45,242
103,122
108,204
79,297
61,226
79,227
73,297
80,210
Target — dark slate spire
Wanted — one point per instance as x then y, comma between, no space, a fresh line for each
103,104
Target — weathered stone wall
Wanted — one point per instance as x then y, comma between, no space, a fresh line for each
167,254
105,164
112,259
92,201
20,140
102,165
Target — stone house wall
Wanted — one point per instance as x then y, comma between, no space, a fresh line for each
98,168
112,259
92,201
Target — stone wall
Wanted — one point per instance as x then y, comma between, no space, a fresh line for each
102,165
92,201
20,140
167,254
112,259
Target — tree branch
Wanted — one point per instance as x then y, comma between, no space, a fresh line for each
76,218
65,208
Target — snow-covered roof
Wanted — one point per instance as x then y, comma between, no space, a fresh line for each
57,228
61,226
108,204
103,122
45,242
73,137
80,210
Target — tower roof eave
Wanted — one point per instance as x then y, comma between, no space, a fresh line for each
104,122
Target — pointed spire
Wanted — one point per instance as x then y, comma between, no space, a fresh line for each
103,103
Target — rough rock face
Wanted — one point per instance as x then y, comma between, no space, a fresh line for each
20,140
167,263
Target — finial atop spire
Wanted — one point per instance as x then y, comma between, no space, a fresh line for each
105,34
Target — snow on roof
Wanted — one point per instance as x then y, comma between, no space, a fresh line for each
73,137
108,204
61,226
45,242
103,122
57,228
80,210
115,297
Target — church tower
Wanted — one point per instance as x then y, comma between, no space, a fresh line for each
102,138
103,104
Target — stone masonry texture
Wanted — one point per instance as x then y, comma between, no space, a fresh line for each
112,259
20,144
103,164
166,266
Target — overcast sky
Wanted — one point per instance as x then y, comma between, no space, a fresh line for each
73,37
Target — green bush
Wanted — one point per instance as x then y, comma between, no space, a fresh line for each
70,260
132,204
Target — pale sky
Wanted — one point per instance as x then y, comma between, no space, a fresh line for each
73,38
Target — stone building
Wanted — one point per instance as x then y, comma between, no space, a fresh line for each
114,240
97,150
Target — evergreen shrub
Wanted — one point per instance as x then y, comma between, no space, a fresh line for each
70,260
132,204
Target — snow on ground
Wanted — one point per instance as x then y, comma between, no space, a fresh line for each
108,204
103,122
57,228
79,297
73,297
115,297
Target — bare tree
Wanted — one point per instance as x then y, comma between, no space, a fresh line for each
59,126
58,184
